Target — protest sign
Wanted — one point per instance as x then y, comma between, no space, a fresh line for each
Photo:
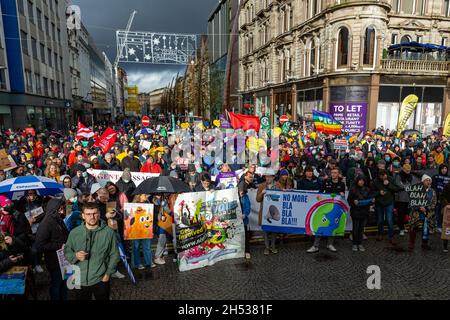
6,161
138,219
34,214
446,224
145,145
299,212
64,265
340,144
417,196
13,281
208,227
110,208
103,176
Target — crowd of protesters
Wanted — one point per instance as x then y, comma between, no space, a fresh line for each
372,172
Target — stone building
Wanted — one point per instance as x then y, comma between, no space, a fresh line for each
337,56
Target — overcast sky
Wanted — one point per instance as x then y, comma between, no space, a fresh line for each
103,17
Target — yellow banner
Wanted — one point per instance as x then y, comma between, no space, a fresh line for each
406,110
447,126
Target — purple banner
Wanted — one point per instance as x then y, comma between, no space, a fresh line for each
224,123
352,115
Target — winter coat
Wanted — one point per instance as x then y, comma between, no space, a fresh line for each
440,180
126,187
402,180
112,166
84,184
328,186
388,198
6,223
132,163
418,217
308,185
52,234
101,245
364,197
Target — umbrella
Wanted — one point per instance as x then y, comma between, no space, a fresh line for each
412,132
123,257
144,131
16,187
162,184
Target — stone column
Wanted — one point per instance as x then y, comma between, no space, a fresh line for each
446,108
373,101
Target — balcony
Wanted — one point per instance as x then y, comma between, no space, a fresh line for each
415,66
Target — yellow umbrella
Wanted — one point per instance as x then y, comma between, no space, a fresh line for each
184,125
121,156
277,131
216,123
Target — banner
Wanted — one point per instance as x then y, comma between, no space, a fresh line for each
417,196
103,176
85,133
106,141
244,122
224,123
353,116
208,228
64,265
299,212
446,224
406,110
138,219
6,161
446,131
340,144
325,122
13,281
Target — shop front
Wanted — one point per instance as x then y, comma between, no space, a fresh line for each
263,103
249,105
282,105
307,101
428,113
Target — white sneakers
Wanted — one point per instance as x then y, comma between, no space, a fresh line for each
117,275
361,248
247,256
354,248
402,233
266,251
331,248
140,267
313,249
160,261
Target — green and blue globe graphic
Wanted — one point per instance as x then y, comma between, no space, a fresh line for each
327,218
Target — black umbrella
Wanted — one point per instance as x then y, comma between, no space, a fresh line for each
162,184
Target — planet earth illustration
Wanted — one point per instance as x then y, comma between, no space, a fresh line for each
327,218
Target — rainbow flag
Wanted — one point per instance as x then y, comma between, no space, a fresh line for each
325,122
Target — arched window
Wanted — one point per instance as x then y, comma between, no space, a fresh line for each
405,39
342,49
312,59
369,46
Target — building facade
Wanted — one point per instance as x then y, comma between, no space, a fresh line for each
121,81
35,77
144,102
332,55
223,51
99,85
156,101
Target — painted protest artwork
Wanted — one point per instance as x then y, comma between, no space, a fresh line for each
208,228
138,221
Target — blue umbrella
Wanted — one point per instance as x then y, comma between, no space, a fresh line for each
16,187
144,131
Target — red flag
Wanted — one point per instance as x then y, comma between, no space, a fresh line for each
244,122
106,141
84,133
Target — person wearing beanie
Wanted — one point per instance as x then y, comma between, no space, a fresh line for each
423,216
126,184
403,179
82,179
440,180
284,181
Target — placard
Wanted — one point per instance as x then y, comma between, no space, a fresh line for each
417,196
446,224
138,221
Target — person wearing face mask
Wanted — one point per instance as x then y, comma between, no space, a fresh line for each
396,166
51,236
82,179
440,180
73,218
126,185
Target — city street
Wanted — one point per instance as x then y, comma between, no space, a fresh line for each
293,274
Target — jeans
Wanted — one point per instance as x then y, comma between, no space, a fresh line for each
100,291
402,211
146,248
358,230
58,288
389,212
330,240
270,242
161,246
247,239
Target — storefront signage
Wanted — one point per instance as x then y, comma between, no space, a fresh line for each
352,115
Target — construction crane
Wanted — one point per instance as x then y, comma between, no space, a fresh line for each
122,46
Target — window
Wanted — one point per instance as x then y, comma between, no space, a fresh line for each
50,58
30,12
40,23
47,22
59,35
420,7
24,38
405,39
58,91
61,63
394,38
343,43
56,61
2,79
34,48
53,32
45,86
444,41
51,5
419,39
37,79
369,46
447,8
64,91
396,6
312,60
29,81
20,7
42,53
52,87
